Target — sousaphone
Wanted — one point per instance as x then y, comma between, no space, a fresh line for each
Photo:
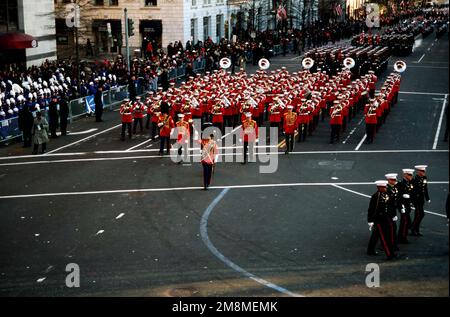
399,66
349,63
264,63
307,63
225,63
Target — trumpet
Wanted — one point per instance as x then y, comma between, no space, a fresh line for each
372,111
336,111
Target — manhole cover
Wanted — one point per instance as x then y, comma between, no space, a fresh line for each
183,292
332,165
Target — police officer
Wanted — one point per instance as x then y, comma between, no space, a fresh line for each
379,221
420,195
406,189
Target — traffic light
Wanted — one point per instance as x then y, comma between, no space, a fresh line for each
130,27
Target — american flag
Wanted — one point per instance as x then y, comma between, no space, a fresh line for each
338,10
281,13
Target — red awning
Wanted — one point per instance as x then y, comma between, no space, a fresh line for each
15,41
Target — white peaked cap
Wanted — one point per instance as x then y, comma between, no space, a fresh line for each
421,167
408,171
381,183
391,176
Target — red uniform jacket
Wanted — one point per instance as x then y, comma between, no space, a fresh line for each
126,113
290,122
249,131
165,123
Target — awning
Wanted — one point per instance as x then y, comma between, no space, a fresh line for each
15,41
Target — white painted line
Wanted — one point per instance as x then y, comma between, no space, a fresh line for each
120,215
361,142
40,280
99,232
229,263
422,93
367,196
82,140
38,156
353,131
169,189
82,132
421,58
105,159
436,137
138,145
230,132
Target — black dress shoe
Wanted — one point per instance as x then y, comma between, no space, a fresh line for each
414,234
372,253
402,241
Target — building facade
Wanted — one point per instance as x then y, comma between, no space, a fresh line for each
163,21
35,18
261,15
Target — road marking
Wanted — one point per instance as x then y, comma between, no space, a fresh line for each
422,93
436,137
169,189
138,145
82,140
82,132
101,159
353,131
224,259
120,215
361,142
421,58
367,196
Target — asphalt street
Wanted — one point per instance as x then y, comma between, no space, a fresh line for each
139,225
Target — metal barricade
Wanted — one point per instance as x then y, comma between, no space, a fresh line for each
181,71
9,129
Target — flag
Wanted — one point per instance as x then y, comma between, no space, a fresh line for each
281,13
339,10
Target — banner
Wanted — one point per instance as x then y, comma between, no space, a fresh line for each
90,104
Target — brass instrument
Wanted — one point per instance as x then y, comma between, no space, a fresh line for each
336,111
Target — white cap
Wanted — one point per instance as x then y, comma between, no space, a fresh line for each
391,176
290,107
421,167
248,114
180,115
408,171
381,183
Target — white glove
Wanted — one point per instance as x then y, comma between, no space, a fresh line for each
429,201
395,218
257,140
160,124
406,196
370,225
240,140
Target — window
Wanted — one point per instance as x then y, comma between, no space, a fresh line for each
219,22
206,28
194,35
151,3
206,2
99,2
9,16
194,3
113,3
